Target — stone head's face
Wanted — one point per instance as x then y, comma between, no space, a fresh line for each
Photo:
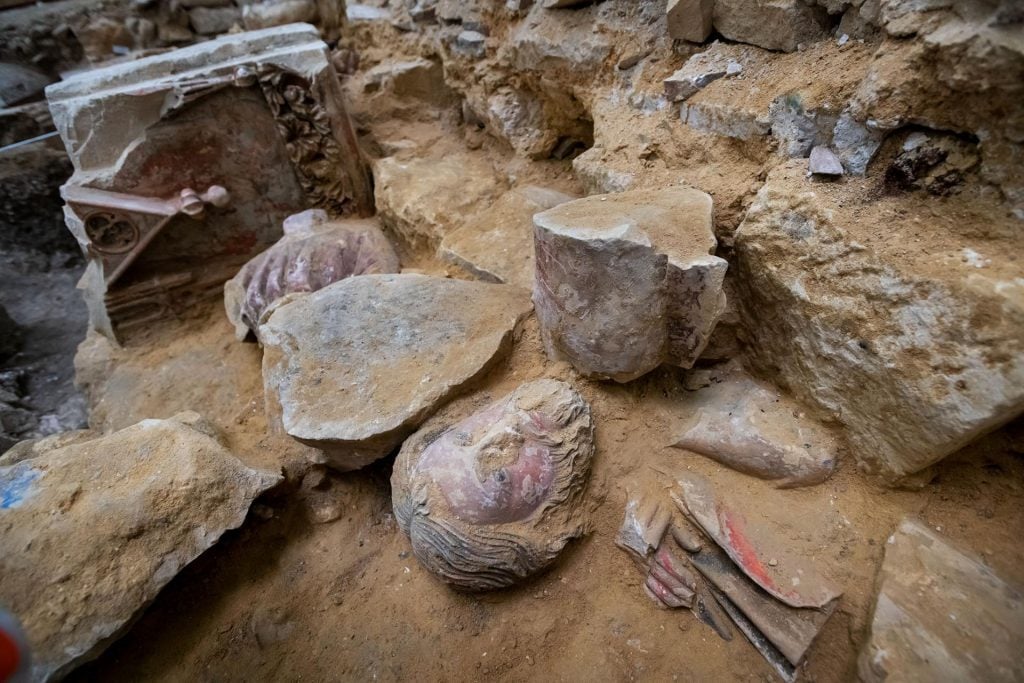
494,467
494,498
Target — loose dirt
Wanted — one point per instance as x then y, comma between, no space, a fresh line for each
285,598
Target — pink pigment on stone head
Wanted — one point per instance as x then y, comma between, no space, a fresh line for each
495,497
314,253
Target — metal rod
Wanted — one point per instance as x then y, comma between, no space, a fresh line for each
22,143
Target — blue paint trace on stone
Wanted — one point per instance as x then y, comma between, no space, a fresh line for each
16,484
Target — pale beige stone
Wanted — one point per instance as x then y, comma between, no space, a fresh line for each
496,245
941,615
421,200
915,351
105,522
690,19
357,366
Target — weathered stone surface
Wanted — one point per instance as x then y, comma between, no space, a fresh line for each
941,614
563,40
358,365
751,427
105,522
726,119
627,281
719,60
208,21
422,200
770,93
496,245
690,19
418,78
597,176
799,128
772,24
824,162
19,83
555,4
855,143
538,119
472,43
519,117
914,351
313,253
495,498
957,74
144,134
272,13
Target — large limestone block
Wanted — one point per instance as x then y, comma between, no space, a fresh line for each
560,41
772,24
357,366
627,281
941,615
496,245
422,200
690,19
910,334
93,527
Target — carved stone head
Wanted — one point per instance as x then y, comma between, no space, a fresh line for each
494,498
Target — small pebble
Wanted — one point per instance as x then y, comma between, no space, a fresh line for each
773,562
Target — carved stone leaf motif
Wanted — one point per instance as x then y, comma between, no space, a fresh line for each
305,126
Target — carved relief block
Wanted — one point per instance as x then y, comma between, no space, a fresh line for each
186,164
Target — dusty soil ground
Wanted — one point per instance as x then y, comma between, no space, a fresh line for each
320,584
288,598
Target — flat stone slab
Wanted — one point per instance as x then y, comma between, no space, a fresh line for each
823,161
718,61
93,527
357,366
627,281
941,615
752,543
749,426
496,245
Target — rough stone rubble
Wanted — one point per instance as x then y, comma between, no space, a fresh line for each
787,230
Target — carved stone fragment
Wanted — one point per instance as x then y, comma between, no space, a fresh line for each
494,498
258,115
625,282
313,253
